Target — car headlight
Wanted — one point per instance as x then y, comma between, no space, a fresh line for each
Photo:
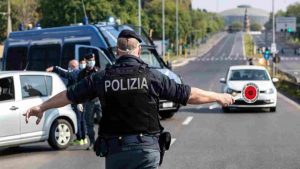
270,91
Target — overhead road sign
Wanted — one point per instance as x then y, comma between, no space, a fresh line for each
286,24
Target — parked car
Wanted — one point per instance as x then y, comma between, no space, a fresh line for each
20,90
264,94
39,49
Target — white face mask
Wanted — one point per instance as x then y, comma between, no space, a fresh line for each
91,63
82,66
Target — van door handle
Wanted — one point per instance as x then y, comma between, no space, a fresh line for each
13,108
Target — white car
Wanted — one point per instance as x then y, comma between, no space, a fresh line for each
243,80
21,90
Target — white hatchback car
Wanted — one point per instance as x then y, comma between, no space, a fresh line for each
252,87
21,90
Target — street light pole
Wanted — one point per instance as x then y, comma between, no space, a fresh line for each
273,35
163,29
177,52
9,29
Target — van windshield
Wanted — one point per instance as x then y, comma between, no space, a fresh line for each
112,32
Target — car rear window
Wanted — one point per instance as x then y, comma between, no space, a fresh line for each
248,74
36,85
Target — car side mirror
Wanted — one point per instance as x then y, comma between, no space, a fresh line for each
275,80
222,80
169,65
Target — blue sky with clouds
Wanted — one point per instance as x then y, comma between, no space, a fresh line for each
220,5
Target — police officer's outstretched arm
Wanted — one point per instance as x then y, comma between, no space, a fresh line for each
77,93
199,96
58,100
184,94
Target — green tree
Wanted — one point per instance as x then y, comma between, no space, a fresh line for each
255,27
236,26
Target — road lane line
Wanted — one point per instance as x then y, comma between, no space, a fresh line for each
289,100
172,141
187,120
199,107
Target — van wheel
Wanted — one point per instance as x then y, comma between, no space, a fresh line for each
60,134
167,114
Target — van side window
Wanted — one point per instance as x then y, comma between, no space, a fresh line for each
43,56
36,85
7,89
16,58
68,52
103,60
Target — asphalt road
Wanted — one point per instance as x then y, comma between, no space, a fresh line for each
202,138
290,62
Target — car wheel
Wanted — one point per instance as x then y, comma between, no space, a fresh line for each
272,109
60,134
167,114
226,109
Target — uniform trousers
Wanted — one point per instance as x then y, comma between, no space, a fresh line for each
133,153
90,108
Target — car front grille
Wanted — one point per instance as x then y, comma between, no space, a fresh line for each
258,102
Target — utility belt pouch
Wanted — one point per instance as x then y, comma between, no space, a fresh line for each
164,144
101,147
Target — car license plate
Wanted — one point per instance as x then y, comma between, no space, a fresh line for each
167,104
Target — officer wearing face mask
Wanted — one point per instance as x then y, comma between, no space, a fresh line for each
91,107
82,64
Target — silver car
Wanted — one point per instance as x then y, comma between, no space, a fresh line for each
21,90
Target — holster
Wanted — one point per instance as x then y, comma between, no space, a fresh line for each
164,144
101,147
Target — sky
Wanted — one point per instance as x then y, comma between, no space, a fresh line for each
221,5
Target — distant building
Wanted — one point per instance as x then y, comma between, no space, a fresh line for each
238,15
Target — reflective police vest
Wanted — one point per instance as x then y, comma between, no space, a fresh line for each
128,106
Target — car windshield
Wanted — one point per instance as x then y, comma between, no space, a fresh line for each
248,74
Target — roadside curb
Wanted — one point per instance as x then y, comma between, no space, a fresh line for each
294,103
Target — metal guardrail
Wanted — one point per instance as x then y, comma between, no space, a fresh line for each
292,81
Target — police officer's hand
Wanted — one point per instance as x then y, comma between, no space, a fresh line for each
49,69
225,99
34,111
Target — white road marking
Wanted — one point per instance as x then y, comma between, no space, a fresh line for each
289,100
172,141
199,107
216,105
187,120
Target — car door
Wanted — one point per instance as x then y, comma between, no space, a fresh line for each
101,59
34,90
9,113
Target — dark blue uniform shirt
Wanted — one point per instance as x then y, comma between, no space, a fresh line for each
160,85
71,76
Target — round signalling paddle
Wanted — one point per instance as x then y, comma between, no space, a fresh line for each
250,93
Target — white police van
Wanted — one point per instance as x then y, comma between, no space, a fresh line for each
38,49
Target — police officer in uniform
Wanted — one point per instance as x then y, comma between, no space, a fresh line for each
129,93
91,107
